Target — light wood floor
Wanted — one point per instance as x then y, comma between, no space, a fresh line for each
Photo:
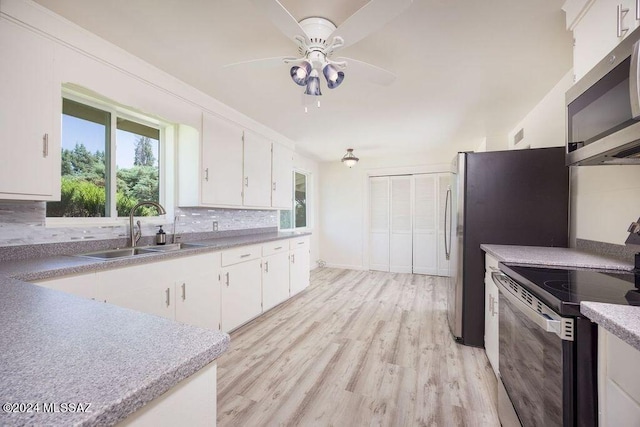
356,348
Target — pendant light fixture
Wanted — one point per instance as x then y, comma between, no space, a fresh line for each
349,159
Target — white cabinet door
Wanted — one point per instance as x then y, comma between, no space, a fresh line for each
241,293
379,227
401,239
300,267
148,288
275,279
221,162
425,258
491,313
197,300
83,285
596,34
257,171
282,177
30,109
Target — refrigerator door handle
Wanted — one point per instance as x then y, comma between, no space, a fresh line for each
447,210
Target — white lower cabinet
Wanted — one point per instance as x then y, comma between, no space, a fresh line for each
299,264
82,285
275,279
241,293
491,313
184,289
618,381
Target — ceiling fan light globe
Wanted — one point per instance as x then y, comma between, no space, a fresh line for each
333,76
300,73
313,86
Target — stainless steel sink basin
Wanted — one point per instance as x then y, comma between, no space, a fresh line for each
172,247
117,253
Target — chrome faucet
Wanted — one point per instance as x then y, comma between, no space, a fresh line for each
135,236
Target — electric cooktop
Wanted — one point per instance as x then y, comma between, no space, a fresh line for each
564,289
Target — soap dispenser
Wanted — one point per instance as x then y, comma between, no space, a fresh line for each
161,236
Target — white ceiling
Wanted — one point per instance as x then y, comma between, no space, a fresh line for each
466,69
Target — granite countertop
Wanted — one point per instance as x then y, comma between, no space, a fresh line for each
55,266
622,321
538,256
59,348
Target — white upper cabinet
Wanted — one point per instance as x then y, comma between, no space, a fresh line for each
221,162
30,109
281,177
227,166
257,171
599,30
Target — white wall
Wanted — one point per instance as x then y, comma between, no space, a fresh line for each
344,203
311,166
544,126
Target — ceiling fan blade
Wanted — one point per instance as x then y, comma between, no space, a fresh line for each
264,63
367,71
368,19
281,18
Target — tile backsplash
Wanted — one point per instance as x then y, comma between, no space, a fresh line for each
23,223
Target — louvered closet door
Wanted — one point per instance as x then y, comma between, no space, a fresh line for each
425,258
400,245
444,182
379,229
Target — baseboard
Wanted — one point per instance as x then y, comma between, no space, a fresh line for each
345,266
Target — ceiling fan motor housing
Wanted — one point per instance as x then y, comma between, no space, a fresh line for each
317,30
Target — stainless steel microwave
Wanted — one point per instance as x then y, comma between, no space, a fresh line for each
603,110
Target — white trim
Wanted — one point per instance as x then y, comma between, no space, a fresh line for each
346,266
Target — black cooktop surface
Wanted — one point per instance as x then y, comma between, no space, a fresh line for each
564,289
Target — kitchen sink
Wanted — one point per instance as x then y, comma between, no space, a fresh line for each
143,250
172,247
118,253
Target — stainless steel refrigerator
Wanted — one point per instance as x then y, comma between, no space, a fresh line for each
517,197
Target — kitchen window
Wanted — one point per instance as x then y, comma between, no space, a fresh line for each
111,160
298,216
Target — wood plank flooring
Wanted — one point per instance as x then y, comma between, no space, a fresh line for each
356,348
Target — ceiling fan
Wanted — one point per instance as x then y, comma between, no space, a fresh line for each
318,39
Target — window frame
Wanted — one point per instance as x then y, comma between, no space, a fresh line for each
165,186
308,199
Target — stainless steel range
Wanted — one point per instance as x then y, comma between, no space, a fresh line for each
547,348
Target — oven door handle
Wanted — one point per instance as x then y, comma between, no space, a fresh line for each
542,320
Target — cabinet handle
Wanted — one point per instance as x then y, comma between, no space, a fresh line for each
274,183
246,181
620,31
245,255
184,291
206,174
301,243
637,10
280,247
45,145
266,267
227,276
293,258
168,300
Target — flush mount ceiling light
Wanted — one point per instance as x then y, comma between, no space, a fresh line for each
318,39
349,159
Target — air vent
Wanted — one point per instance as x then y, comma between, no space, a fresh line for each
519,136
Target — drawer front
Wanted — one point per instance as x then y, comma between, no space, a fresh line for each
241,254
275,247
298,242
